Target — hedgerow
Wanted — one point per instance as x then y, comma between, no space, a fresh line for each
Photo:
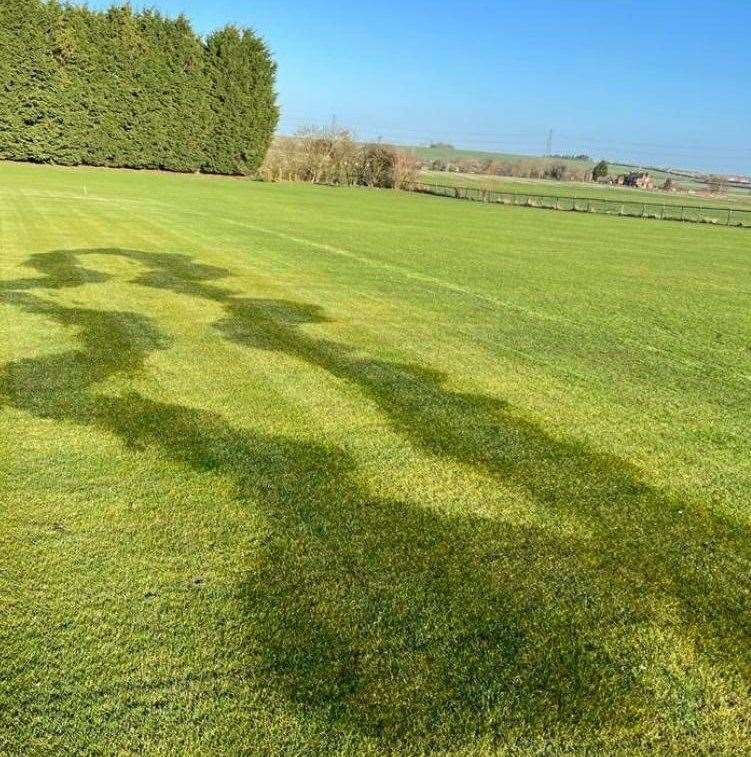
131,89
333,156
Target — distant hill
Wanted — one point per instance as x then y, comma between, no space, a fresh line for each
447,152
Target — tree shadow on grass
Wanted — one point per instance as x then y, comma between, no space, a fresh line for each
564,628
393,622
60,269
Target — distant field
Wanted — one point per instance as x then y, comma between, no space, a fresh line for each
288,469
443,153
583,189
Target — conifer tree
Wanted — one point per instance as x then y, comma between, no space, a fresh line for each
131,89
242,100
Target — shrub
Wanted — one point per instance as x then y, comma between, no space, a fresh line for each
406,169
333,157
557,171
316,155
376,166
600,171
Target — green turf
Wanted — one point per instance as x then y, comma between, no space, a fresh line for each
295,469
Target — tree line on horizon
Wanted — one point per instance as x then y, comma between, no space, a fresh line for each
132,89
520,167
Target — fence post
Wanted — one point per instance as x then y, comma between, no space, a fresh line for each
483,194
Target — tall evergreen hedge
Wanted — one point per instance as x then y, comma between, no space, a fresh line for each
131,89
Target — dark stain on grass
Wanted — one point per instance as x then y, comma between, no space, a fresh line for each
398,622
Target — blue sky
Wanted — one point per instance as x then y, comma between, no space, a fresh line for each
664,82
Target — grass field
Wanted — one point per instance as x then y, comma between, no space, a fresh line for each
586,190
293,469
